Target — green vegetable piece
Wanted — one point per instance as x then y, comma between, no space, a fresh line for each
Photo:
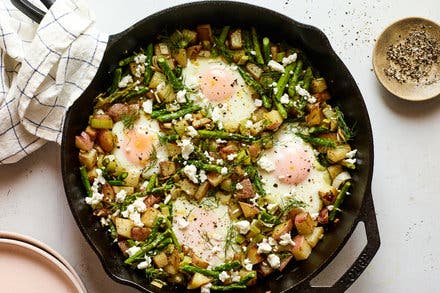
85,180
116,182
266,49
250,81
100,123
307,78
175,82
207,167
224,34
214,134
266,102
228,287
228,266
256,43
247,278
148,247
295,78
148,61
282,82
180,113
157,113
339,199
346,131
255,178
317,141
151,183
126,61
206,272
117,75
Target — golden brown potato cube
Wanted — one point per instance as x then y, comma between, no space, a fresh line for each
254,150
83,142
304,223
202,191
167,168
193,51
282,229
204,32
173,149
180,57
315,116
173,263
249,210
265,269
246,191
132,178
274,119
128,189
338,153
149,216
234,210
235,39
315,236
199,123
199,262
123,227
318,85
160,260
140,233
214,178
161,49
92,132
328,197
253,256
334,170
254,70
301,250
188,187
197,281
156,79
293,212
322,96
88,159
166,92
106,140
108,192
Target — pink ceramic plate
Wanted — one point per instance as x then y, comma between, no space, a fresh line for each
27,268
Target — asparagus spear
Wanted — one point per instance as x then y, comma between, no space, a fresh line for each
168,138
206,272
256,43
164,244
116,182
148,71
173,236
280,108
294,80
207,167
255,178
266,102
157,113
308,78
266,49
228,266
250,81
117,75
317,141
180,113
339,200
247,43
146,248
151,183
247,278
134,93
228,287
282,82
214,134
346,131
224,34
175,82
156,225
85,180
126,61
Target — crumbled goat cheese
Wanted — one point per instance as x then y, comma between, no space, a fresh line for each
224,171
314,215
350,161
148,106
272,242
231,157
191,131
133,211
273,84
191,172
187,148
206,288
276,66
264,247
140,68
351,154
238,186
219,140
188,117
132,250
247,264
110,158
180,96
140,58
266,164
208,156
272,208
105,222
120,196
202,176
258,103
330,207
125,81
274,261
253,53
249,124
182,223
145,264
243,227
95,199
289,59
224,276
284,99
219,161
305,94
167,199
275,90
286,239
235,277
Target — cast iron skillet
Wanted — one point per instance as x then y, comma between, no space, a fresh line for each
357,207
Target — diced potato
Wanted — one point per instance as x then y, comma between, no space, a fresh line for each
199,262
202,191
234,210
84,142
214,178
166,92
338,153
128,189
173,149
274,51
254,70
254,150
197,281
240,57
149,216
161,49
247,190
253,256
315,116
334,170
180,57
180,127
265,269
304,223
235,39
92,132
322,96
318,85
274,119
123,246
249,210
258,127
108,192
315,236
282,229
199,123
188,187
223,198
193,51
106,140
295,211
88,159
123,226
301,250
167,168
156,79
328,197
132,178
254,230
226,185
205,32
160,260
140,233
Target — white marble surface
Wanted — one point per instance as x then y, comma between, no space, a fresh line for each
405,183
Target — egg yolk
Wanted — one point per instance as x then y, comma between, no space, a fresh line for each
292,165
218,83
137,147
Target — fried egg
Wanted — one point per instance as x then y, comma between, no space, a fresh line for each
138,148
219,87
203,228
290,170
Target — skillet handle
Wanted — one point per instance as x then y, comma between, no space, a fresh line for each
30,10
368,216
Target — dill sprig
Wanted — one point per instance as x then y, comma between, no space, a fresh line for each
129,119
290,204
152,161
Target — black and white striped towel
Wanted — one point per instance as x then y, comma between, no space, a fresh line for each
43,69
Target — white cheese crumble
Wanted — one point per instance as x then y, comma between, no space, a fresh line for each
351,154
148,106
284,99
187,148
330,207
191,131
120,196
132,250
206,288
266,164
264,247
202,176
253,53
286,239
145,264
140,58
231,157
272,208
289,59
272,242
247,264
180,96
182,223
274,261
125,81
188,117
249,124
276,66
224,276
224,171
243,227
95,198
350,161
238,186
167,199
258,103
191,172
133,211
305,94
235,277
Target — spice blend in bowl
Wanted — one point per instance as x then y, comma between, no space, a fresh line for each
406,59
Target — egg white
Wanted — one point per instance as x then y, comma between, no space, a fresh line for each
306,191
229,113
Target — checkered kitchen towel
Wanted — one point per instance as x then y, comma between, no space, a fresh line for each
43,69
